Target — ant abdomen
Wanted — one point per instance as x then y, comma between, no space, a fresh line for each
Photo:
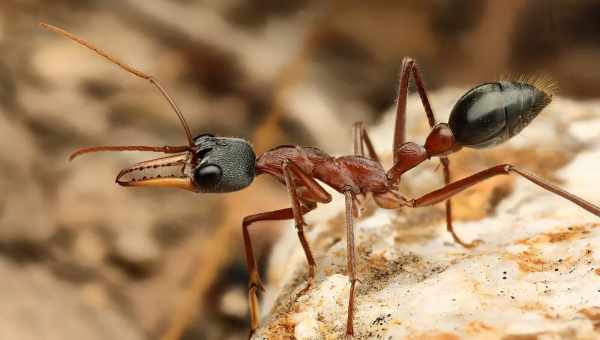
491,113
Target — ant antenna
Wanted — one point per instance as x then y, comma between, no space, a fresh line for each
133,71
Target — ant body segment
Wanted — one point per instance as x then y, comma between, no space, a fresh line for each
487,115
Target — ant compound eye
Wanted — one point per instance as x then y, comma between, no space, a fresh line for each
208,176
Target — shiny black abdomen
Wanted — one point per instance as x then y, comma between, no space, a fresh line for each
492,113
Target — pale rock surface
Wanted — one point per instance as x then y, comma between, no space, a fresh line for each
535,276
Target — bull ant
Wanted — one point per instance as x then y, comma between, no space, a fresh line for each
487,115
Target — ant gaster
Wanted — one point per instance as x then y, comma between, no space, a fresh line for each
487,115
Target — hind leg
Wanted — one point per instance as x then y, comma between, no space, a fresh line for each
409,67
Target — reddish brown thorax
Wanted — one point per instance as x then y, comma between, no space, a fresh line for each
358,174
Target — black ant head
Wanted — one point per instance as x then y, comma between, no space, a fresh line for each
212,165
223,164
492,113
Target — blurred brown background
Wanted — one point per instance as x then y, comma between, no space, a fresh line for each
81,258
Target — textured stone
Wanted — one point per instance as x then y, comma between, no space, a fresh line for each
536,272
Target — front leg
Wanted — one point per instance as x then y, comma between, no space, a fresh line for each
290,172
313,190
255,283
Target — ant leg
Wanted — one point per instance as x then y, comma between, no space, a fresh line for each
357,138
315,192
409,66
255,282
456,187
361,139
296,212
350,255
400,128
449,226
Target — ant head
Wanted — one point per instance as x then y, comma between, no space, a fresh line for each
212,165
223,164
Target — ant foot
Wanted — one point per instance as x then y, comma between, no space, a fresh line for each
309,281
304,290
475,243
470,245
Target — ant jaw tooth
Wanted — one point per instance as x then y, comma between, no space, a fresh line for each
167,171
163,167
179,183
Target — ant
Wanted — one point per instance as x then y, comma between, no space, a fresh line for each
487,115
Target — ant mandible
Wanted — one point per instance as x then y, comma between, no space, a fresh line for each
487,115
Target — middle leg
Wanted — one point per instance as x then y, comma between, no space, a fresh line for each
351,258
291,172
